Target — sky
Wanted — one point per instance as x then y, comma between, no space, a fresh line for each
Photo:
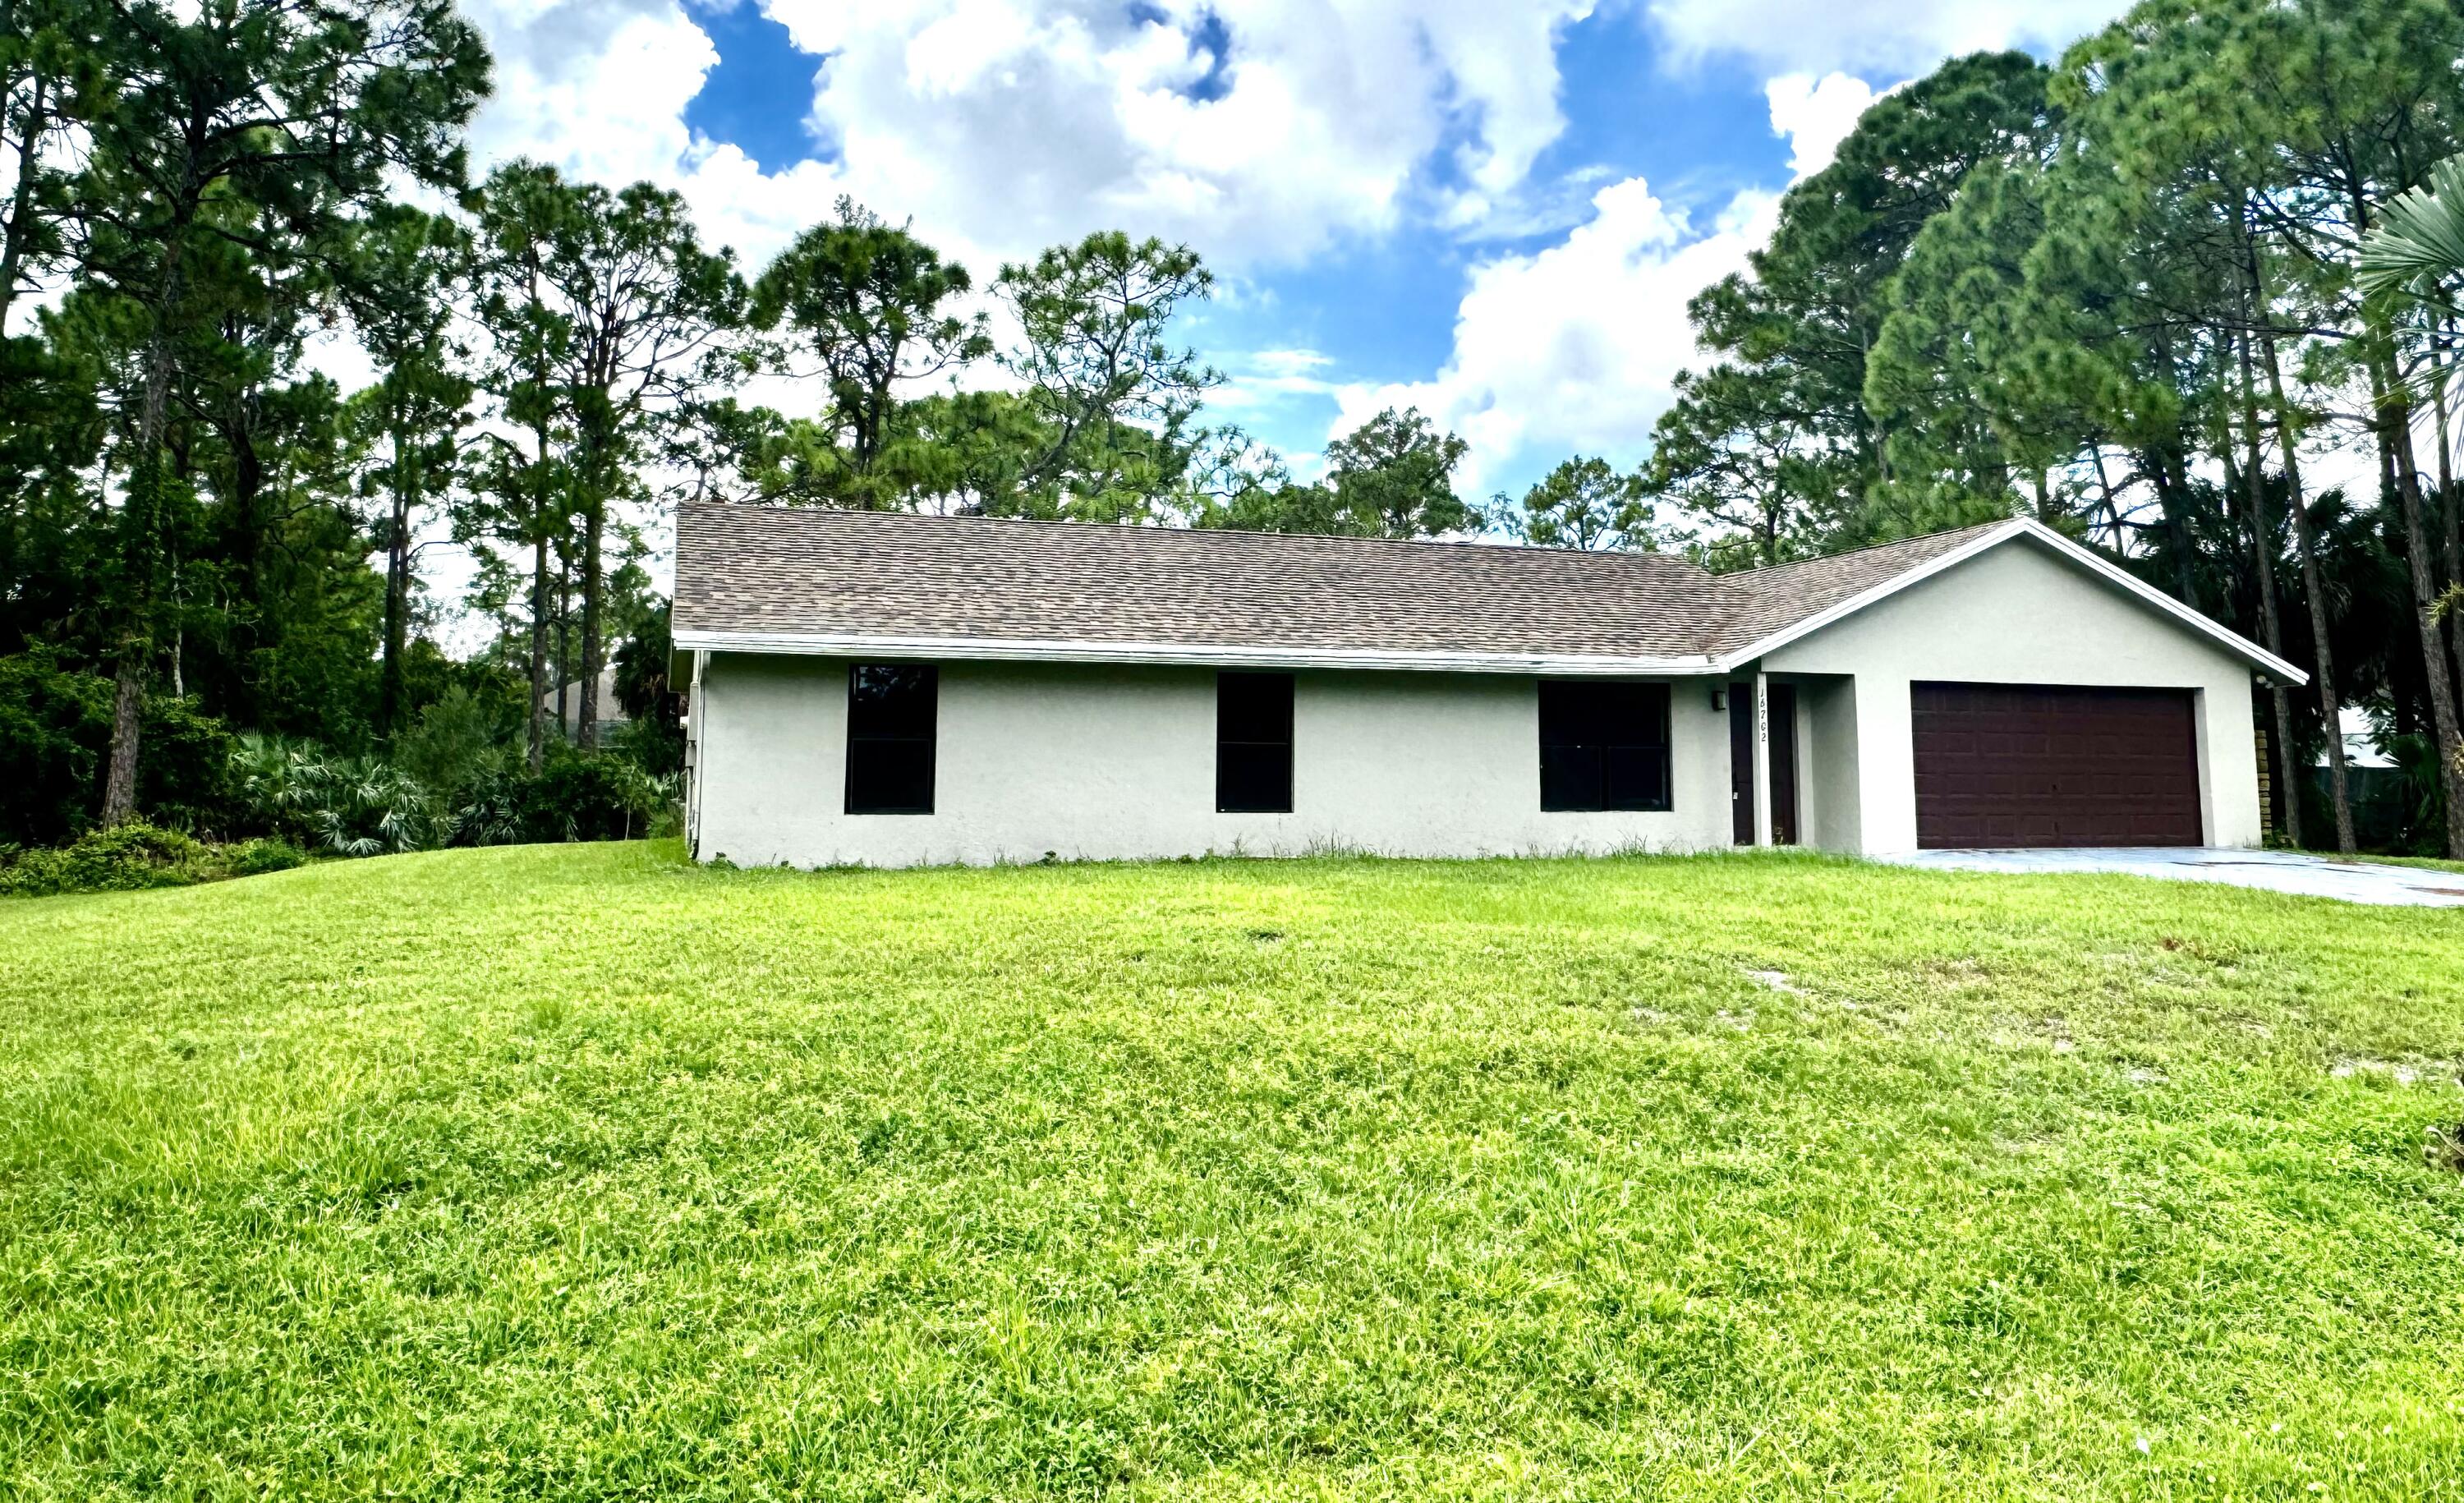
1492,209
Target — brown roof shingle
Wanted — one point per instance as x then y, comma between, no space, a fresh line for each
754,569
1759,602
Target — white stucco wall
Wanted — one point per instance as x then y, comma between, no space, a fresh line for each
1826,762
1104,763
2018,614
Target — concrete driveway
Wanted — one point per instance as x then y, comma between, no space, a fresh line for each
2272,870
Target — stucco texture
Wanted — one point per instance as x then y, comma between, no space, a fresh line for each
2014,614
1097,761
1112,761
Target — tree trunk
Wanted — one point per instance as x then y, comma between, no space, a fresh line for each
248,522
563,645
2455,546
2425,602
2314,594
538,750
593,589
2451,534
397,603
397,631
128,702
140,525
2177,531
20,231
2262,558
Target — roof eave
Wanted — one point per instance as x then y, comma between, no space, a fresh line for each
1006,650
2019,527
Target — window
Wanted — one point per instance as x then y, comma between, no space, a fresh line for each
1603,745
890,739
1253,743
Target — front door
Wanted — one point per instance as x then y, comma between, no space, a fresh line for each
1741,763
1783,764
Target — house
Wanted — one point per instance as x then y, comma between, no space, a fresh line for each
895,689
567,713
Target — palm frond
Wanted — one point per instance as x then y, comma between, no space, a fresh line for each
2418,242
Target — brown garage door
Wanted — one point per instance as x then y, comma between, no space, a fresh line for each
2038,764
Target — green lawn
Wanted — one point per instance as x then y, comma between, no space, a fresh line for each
579,1173
2431,862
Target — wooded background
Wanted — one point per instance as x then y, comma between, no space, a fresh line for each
2123,293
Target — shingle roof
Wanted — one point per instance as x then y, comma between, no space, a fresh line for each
770,571
1760,602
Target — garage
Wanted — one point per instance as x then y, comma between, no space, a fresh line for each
2002,765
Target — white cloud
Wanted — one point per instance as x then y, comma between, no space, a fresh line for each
1815,115
598,87
1576,348
1902,38
1004,126
1009,124
1264,385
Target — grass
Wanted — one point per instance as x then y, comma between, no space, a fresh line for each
2433,863
565,1173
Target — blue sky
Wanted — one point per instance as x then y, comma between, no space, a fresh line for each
1494,211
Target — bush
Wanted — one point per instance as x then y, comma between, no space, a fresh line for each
594,798
575,796
456,740
367,806
653,737
347,806
185,777
257,858
134,857
126,858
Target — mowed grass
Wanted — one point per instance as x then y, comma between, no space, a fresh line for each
577,1172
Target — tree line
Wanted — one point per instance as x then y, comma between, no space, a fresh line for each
201,532
2125,292
2120,292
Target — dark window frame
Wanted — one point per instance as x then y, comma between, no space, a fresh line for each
863,739
1606,748
1247,754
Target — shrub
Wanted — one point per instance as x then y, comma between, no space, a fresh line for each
367,806
348,805
133,857
653,737
575,796
458,740
125,858
582,797
257,858
185,777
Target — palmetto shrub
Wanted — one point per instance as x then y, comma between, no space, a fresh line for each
344,806
575,796
367,807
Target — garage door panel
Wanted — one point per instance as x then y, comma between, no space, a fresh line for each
2000,764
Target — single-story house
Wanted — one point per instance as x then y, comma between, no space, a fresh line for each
568,712
893,690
